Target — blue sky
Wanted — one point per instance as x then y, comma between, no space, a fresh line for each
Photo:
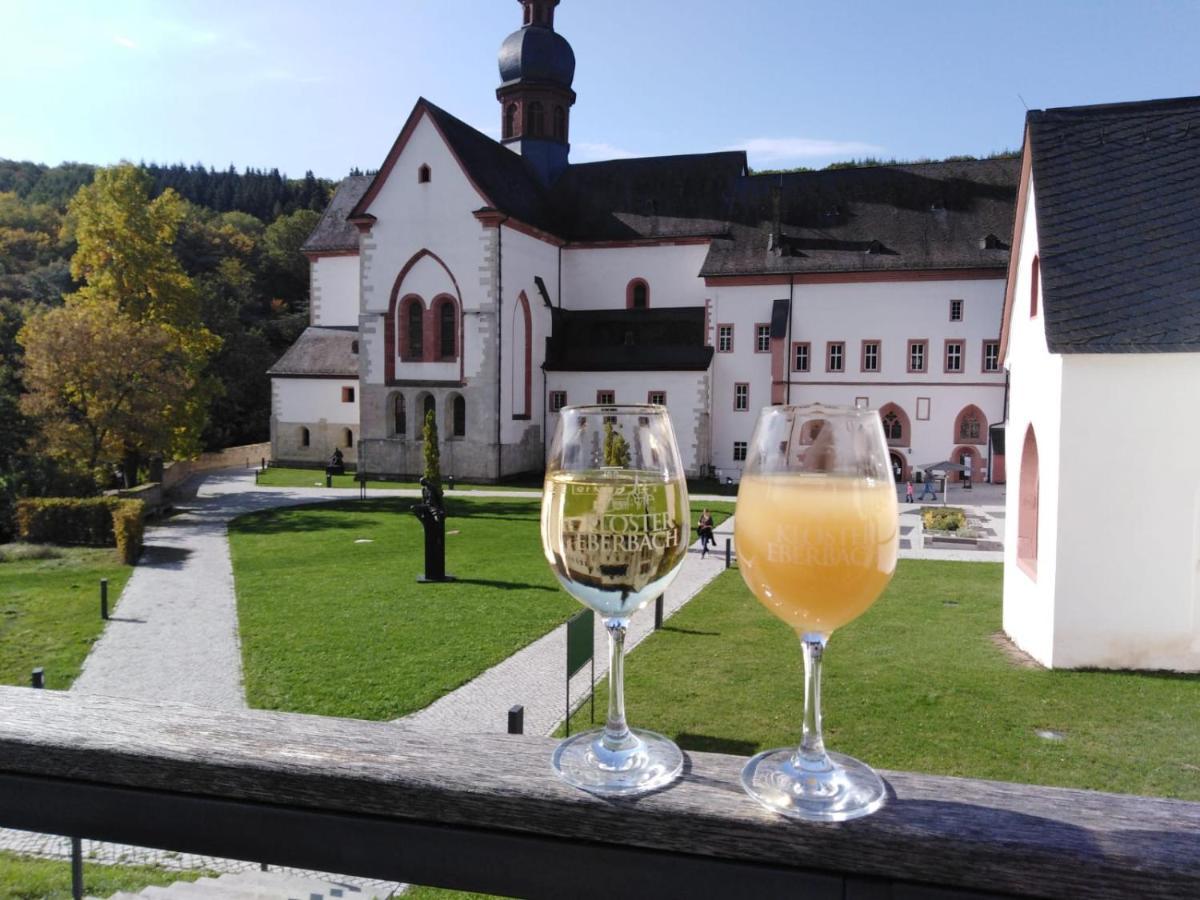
325,86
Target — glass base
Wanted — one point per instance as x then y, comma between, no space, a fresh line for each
842,790
649,761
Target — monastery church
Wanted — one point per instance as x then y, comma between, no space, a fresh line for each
494,282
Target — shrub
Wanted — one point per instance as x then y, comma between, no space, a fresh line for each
943,519
92,522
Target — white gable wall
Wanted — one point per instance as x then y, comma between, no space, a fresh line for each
334,290
1035,396
597,277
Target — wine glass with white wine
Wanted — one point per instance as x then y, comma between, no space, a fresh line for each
817,537
615,523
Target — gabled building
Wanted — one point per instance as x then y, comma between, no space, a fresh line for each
494,282
1102,340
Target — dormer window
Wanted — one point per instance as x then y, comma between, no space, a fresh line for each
424,175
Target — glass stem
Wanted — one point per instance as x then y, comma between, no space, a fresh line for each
617,735
812,756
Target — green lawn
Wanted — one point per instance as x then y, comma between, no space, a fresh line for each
50,609
916,684
339,628
293,477
31,878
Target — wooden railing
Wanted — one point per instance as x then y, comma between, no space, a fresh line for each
485,813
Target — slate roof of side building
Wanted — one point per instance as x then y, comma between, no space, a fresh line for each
1117,190
902,217
320,352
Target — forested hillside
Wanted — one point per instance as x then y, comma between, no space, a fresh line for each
236,236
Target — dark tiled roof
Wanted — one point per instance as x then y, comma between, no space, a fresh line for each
901,217
651,197
320,351
333,232
1117,189
537,54
643,340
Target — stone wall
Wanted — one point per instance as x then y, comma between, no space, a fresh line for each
247,456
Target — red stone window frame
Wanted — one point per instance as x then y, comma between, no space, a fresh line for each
956,310
657,397
1027,507
631,291
762,337
924,345
445,334
1035,285
725,337
606,397
405,321
970,411
797,346
558,399
962,352
424,174
898,430
994,346
741,396
862,362
831,355
347,395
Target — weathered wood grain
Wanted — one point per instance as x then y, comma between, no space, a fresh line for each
936,836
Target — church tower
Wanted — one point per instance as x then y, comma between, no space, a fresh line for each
537,66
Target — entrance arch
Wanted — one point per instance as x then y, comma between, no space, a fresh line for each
899,466
960,455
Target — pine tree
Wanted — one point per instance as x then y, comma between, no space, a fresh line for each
433,455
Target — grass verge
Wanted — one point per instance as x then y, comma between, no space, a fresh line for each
32,878
919,684
50,608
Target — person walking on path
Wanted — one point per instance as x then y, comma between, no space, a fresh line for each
927,488
704,527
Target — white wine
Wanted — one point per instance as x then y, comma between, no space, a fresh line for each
615,537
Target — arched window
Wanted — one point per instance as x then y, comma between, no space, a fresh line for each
424,175
510,119
460,416
430,406
447,330
416,329
347,437
893,430
896,428
971,426
1027,506
354,347
305,438
399,416
1035,283
637,294
560,124
520,388
535,120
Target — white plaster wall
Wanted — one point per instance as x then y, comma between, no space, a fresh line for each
1128,574
523,258
314,400
1035,397
890,312
411,217
686,399
335,290
596,278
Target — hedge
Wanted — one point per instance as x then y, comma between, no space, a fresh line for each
92,522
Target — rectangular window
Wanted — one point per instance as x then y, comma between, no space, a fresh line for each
659,397
347,395
956,310
923,409
916,355
606,398
870,356
558,399
741,396
861,402
800,357
954,357
991,356
762,338
724,338
835,356
739,451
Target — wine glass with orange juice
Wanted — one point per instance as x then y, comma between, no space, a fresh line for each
817,535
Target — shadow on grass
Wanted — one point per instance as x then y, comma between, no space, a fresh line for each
678,630
707,743
330,515
506,585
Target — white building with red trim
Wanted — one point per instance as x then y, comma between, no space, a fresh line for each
495,281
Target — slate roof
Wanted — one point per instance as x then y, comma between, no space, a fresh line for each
1117,190
333,232
537,54
891,217
643,340
318,352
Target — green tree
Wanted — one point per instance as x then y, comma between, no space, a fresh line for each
284,264
616,448
433,455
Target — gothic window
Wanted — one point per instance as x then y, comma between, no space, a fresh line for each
446,330
969,428
416,330
560,124
535,124
895,425
1027,506
399,416
460,416
510,120
893,429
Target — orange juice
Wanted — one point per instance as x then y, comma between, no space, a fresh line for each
816,550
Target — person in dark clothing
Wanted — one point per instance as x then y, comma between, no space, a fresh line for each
704,527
